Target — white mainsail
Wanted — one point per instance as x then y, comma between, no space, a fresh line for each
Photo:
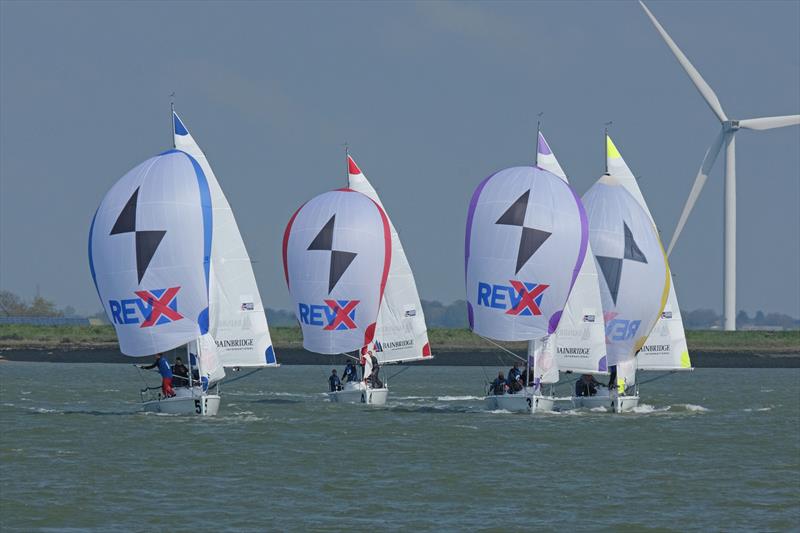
579,343
401,333
237,320
665,347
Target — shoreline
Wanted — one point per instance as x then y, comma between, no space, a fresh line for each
451,356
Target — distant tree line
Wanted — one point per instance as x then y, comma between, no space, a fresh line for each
13,305
437,314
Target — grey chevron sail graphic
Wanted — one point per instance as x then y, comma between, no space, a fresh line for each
611,267
531,239
340,260
146,241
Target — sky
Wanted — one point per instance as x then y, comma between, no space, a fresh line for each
431,98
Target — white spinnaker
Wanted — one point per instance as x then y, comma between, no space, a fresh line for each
579,343
635,276
400,334
525,241
148,250
237,322
337,252
665,348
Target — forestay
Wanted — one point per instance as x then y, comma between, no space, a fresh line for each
150,251
579,343
337,252
526,238
665,348
400,334
237,319
635,276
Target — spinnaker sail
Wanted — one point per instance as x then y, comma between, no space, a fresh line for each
635,274
337,252
665,348
526,239
150,254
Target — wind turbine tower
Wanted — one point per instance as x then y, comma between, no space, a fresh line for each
726,136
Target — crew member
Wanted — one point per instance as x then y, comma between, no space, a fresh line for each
180,373
514,381
334,381
586,385
498,386
350,372
166,374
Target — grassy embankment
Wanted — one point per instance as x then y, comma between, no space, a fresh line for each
54,337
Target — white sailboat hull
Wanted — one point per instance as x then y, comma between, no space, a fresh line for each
185,402
612,402
521,402
360,393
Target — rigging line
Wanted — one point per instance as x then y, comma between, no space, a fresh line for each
490,341
656,378
397,373
139,370
237,378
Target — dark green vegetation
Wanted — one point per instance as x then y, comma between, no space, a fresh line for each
27,336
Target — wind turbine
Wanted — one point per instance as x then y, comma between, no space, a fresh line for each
727,136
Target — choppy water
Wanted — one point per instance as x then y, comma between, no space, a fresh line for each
714,449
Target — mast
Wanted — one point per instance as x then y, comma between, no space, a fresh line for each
347,164
605,146
172,117
538,132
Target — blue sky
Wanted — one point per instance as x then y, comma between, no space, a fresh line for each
431,97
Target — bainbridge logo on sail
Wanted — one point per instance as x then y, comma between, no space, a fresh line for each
338,315
393,345
234,344
580,353
152,308
520,298
657,349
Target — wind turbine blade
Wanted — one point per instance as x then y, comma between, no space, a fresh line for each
699,182
768,123
694,75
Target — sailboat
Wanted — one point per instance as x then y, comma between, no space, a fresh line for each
400,334
163,257
337,255
635,283
526,240
578,344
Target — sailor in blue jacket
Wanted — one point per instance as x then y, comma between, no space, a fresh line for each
350,372
334,381
514,380
166,374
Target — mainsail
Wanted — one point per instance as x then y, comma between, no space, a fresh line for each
635,274
665,348
400,334
526,239
337,252
237,320
579,343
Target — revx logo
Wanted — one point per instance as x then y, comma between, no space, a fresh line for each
520,298
618,329
151,308
334,315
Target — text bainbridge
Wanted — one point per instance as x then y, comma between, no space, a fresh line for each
234,343
572,351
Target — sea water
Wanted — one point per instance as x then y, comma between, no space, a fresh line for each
714,449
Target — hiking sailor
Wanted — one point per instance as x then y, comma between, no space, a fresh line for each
166,374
